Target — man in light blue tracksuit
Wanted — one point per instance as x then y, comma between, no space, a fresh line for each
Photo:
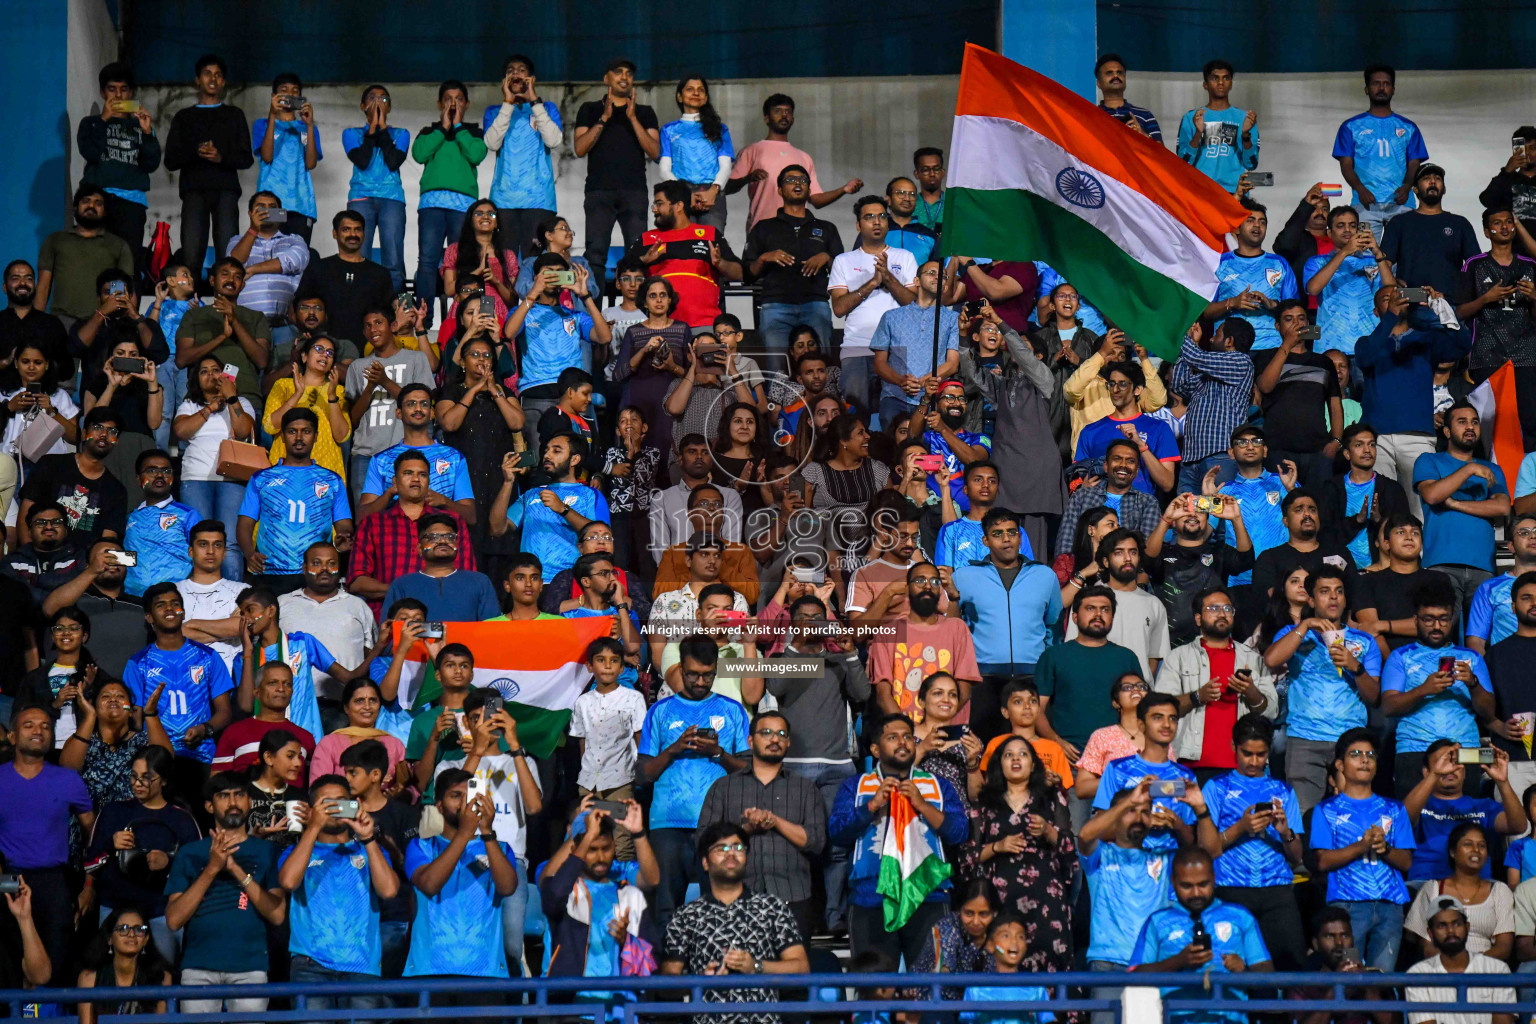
522,131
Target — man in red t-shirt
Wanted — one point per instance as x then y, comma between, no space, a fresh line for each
691,256
236,751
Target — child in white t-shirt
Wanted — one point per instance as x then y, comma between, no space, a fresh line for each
607,719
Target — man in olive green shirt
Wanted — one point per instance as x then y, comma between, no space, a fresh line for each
232,334
70,261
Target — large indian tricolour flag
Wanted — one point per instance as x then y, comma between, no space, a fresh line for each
1036,172
535,665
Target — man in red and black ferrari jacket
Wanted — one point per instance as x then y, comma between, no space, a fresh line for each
693,257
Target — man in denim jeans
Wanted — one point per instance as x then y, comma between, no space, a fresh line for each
1364,843
790,254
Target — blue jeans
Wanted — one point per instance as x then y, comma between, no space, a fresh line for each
175,383
434,229
1526,995
219,499
305,969
892,409
1191,473
1378,930
388,215
776,319
395,937
1378,214
828,778
513,910
860,385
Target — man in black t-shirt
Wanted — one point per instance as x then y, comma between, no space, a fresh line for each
617,135
1195,561
349,282
1509,668
1383,599
1429,247
1303,549
95,500
1299,387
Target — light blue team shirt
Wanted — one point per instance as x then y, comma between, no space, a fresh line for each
546,533
1346,308
1006,994
1445,715
1259,860
458,931
695,159
376,181
193,675
678,794
446,199
1127,772
334,914
1323,704
1452,537
171,313
1232,930
1268,275
305,654
524,178
554,337
1224,157
1355,497
960,542
161,535
449,472
1521,855
1088,314
1125,886
286,176
1341,821
1258,502
1381,148
296,506
1491,615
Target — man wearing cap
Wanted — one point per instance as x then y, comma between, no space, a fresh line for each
1514,187
1429,247
940,421
618,135
1448,932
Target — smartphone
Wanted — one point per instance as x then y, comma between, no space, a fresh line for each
133,107
929,463
953,732
127,559
494,705
35,389
1168,787
973,308
128,364
117,288
10,885
527,460
476,786
1516,144
1261,179
1448,665
433,630
1351,955
275,215
816,576
617,808
1311,333
291,102
1201,941
706,732
733,617
1262,809
1415,295
565,278
1474,755
231,371
344,808
712,356
1208,503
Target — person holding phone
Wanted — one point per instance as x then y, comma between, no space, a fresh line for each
552,335
121,152
1438,804
1299,393
1346,281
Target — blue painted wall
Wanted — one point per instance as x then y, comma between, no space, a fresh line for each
1054,37
34,174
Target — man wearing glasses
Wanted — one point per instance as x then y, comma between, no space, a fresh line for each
450,485
160,529
867,282
783,814
1364,844
789,254
95,501
905,232
1493,615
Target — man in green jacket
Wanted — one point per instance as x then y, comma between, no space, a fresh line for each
450,151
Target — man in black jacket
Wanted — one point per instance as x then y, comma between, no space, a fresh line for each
1355,503
1514,187
208,144
1305,231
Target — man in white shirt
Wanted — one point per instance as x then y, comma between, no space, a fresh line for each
209,598
1141,621
341,621
1448,931
866,282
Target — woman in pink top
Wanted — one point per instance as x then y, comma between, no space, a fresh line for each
1113,741
482,250
362,703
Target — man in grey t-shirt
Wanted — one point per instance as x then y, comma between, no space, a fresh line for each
373,381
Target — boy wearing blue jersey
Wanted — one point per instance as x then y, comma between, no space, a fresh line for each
1492,615
1346,281
263,639
449,472
1219,140
551,516
1364,844
1259,827
1379,153
552,336
1335,677
1006,942
160,529
287,146
461,878
337,872
1250,281
521,131
1258,492
196,703
1436,689
960,537
297,503
1178,813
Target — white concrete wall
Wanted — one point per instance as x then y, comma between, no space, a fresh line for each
92,45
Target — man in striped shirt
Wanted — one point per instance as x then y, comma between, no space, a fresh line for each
274,264
1216,379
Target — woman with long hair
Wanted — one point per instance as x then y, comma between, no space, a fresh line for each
136,397
654,353
212,414
481,249
482,422
123,955
960,937
29,389
1112,742
314,384
1021,839
474,316
696,149
137,839
552,234
950,751
738,454
1490,906
1287,606
109,731
276,777
842,474
362,702
1077,568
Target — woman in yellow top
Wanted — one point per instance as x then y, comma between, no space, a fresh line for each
315,386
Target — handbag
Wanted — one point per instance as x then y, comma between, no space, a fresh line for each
39,437
241,460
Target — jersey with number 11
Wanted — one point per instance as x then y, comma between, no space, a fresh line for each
294,507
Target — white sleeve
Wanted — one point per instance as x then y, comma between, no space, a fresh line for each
548,130
723,175
666,168
838,276
498,129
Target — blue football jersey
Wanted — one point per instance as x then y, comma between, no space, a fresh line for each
1491,616
1341,821
1447,714
193,675
1322,701
1268,275
1258,501
1126,884
1126,772
1381,148
294,507
334,915
1259,860
1346,307
161,535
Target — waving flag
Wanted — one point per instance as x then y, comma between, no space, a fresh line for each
1494,400
1036,172
911,866
535,665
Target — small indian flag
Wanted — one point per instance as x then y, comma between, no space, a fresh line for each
1039,173
910,867
535,665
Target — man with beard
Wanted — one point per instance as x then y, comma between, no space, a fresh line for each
1199,933
1355,503
860,819
461,877
767,158
940,421
868,281
1196,561
349,282
224,891
1217,680
450,593
51,557
618,919
692,257
732,929
1141,624
344,623
70,261
1492,616
1072,675
310,319
1463,496
297,503
550,516
1250,281
388,541
1306,232
782,813
274,260
1156,446
1448,933
231,333
904,231
1304,547
923,641
1128,882
96,502
116,617
374,384
601,595
338,872
1509,669
450,486
789,249
22,324
1380,152
1431,248
1300,396
1334,952
672,509
1436,689
618,135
